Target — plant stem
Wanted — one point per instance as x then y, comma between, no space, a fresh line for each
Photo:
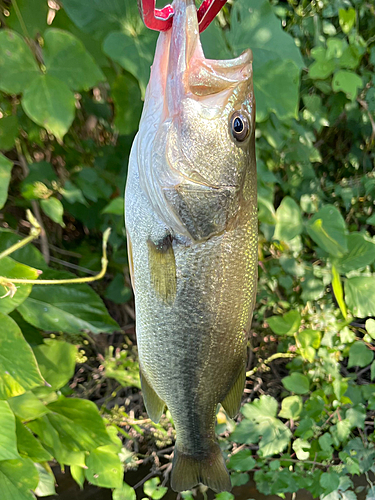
268,360
6,281
34,233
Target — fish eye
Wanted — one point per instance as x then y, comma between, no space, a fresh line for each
239,126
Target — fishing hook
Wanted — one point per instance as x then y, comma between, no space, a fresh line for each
161,19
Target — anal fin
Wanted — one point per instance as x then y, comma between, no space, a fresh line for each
154,405
232,401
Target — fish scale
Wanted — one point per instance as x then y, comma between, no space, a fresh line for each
191,219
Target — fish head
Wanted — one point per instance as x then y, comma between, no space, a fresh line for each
209,107
196,144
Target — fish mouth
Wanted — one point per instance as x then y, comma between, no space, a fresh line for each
189,72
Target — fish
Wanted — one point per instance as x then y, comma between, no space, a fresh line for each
191,220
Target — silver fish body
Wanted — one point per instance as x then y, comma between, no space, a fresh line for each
191,219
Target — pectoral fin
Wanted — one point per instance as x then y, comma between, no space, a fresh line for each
232,401
154,405
162,266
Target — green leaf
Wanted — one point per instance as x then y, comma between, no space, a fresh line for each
359,295
128,105
46,485
34,17
347,19
126,492
300,446
18,367
327,228
70,309
53,208
224,495
296,382
275,435
8,132
5,171
67,59
56,360
361,253
373,370
348,82
17,65
239,478
29,446
153,490
288,324
360,355
370,327
8,440
9,268
291,407
97,17
242,461
115,206
78,474
117,291
288,220
277,78
104,469
329,481
356,416
80,421
50,103
27,406
338,291
17,478
134,52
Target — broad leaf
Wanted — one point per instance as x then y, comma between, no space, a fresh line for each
277,60
46,485
153,489
27,406
128,105
8,440
104,469
361,253
34,17
29,446
56,360
8,132
17,64
79,420
134,52
17,478
66,58
288,220
348,82
327,228
359,295
50,103
97,17
125,492
288,324
70,308
297,383
5,171
242,461
9,268
53,208
291,407
360,355
18,367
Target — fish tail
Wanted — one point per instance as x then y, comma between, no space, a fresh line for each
209,469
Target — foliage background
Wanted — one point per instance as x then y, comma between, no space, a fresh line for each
72,76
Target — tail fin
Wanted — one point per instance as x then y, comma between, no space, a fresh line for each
188,470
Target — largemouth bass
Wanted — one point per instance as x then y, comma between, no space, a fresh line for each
191,218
